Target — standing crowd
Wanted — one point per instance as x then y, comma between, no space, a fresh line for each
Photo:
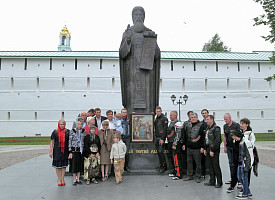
91,146
199,142
96,142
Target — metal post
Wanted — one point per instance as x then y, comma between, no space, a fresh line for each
179,110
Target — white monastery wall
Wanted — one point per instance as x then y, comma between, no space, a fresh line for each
35,93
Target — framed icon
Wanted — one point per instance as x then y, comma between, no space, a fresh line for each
142,127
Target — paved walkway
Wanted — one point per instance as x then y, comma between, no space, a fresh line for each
267,145
35,179
14,148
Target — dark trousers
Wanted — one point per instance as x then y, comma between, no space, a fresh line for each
178,161
160,149
230,160
170,156
214,168
203,165
193,154
234,174
126,140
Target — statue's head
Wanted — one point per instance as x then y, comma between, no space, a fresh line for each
138,15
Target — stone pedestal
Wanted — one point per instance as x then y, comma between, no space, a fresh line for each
143,158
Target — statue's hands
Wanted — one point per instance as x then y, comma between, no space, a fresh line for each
128,34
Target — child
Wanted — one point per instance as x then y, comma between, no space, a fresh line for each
118,154
59,150
91,154
117,123
245,162
76,143
106,140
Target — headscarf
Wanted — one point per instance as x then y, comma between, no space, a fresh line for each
79,131
88,119
61,135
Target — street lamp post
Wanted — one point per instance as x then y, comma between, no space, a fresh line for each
182,101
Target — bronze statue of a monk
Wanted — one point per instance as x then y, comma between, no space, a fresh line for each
139,59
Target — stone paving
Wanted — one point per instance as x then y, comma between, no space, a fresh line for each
12,154
36,179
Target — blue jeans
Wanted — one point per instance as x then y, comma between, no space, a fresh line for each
127,143
230,160
243,177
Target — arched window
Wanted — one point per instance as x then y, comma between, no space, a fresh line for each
63,40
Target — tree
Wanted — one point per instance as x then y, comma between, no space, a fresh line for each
215,44
268,19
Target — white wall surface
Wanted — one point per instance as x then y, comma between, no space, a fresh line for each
34,97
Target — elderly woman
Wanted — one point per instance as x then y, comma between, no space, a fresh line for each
106,140
90,122
59,150
76,144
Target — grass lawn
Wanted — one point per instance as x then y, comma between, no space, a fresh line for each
265,136
25,140
47,140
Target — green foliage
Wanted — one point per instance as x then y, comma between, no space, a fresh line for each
215,45
267,19
270,78
272,59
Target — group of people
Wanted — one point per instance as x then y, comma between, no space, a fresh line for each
200,142
95,142
91,146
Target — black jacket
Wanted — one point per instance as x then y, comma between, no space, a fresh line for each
227,130
161,125
193,141
244,156
213,138
102,119
88,143
171,133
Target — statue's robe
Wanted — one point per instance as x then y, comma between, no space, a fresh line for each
139,83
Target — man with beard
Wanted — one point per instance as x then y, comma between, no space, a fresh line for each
194,141
139,59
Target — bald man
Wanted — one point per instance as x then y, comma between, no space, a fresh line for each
82,115
228,142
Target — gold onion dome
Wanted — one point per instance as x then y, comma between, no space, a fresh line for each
65,31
